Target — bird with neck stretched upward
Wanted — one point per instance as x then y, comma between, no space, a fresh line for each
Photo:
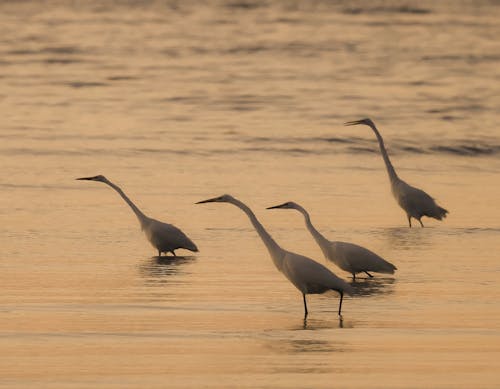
163,236
415,202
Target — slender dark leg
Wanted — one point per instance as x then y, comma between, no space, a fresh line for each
369,275
159,253
420,221
354,276
173,252
340,304
409,220
305,305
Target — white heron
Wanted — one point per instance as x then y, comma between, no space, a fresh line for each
348,256
305,274
415,202
163,236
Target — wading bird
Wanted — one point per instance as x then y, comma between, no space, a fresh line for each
306,275
348,256
164,237
415,202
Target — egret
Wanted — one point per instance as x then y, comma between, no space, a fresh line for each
348,256
415,202
307,275
163,236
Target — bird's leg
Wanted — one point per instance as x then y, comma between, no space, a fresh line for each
159,253
420,221
305,306
340,304
369,275
354,276
409,220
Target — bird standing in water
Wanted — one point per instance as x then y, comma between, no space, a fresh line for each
348,256
164,237
415,202
307,275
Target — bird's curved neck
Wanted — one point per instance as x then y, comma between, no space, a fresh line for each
390,169
274,249
143,219
322,242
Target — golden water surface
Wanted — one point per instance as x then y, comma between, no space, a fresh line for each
177,102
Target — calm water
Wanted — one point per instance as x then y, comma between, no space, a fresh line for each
180,101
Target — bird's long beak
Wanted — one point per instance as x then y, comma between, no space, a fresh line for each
86,178
213,200
353,123
276,206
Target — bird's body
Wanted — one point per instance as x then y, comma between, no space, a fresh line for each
167,237
307,275
348,256
163,236
356,259
415,202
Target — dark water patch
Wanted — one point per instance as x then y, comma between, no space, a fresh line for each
413,149
185,100
472,107
160,151
404,9
85,84
122,78
467,150
450,118
68,50
338,140
360,149
292,48
245,49
244,5
469,58
22,52
354,145
61,61
291,151
54,50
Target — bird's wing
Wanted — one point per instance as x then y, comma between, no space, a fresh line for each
414,199
170,233
362,259
310,276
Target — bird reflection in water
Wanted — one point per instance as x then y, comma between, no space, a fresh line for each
366,287
406,239
158,270
313,324
313,345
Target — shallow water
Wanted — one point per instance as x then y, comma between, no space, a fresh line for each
179,102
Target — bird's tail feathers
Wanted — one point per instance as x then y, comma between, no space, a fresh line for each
441,213
192,247
388,270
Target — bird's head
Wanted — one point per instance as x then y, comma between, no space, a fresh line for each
220,199
100,178
366,122
287,205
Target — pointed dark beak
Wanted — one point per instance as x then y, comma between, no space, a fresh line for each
276,206
215,199
85,178
354,122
